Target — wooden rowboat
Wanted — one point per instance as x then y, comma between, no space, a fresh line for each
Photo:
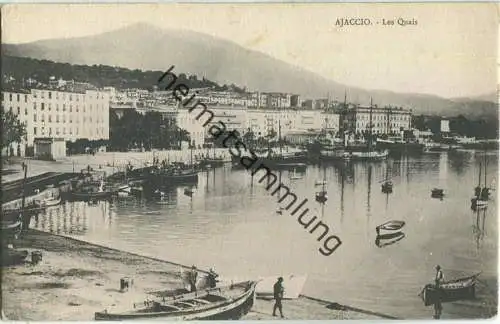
453,290
230,302
393,225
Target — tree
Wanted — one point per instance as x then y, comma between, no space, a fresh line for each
12,129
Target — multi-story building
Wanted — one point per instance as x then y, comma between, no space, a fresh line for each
60,114
386,120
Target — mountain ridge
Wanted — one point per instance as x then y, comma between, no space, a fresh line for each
146,47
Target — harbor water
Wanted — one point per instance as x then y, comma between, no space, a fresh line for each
230,223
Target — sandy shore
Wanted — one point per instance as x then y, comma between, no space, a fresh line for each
76,279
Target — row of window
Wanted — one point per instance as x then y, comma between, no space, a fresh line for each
62,131
381,125
384,117
49,107
65,95
17,96
70,119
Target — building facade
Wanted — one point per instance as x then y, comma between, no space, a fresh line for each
60,114
386,120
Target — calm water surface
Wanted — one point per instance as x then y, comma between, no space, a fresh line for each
233,226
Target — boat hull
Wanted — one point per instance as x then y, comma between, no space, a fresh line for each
232,309
458,290
92,195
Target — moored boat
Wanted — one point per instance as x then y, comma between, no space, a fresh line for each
230,302
391,226
458,289
437,193
387,187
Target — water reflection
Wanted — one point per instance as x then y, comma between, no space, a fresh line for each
231,216
478,228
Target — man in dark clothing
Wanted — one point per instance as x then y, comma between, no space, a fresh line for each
212,278
193,277
278,296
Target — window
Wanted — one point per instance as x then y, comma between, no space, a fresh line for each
43,106
50,119
50,95
70,108
34,118
70,97
57,107
10,96
34,106
49,106
64,107
43,118
76,131
64,130
50,130
34,130
57,130
18,97
57,118
18,110
25,111
25,98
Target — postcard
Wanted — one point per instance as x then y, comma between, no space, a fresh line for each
244,161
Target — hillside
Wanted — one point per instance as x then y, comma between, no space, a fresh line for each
142,46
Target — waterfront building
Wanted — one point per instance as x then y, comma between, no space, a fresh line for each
70,115
384,120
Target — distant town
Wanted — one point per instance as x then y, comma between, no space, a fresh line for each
68,111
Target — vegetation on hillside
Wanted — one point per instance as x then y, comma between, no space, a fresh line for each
17,70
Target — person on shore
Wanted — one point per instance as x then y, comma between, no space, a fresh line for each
279,291
212,278
439,276
193,277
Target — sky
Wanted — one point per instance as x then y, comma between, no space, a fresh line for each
450,52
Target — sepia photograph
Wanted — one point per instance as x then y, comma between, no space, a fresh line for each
244,161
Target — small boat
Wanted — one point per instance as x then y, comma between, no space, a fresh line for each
321,197
11,229
393,225
230,302
437,193
458,289
13,257
93,195
387,187
188,192
50,202
477,203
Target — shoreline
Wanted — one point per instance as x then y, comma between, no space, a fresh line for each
75,279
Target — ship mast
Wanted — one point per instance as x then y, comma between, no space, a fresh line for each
370,127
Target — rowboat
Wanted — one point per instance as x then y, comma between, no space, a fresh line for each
13,257
11,229
50,202
458,289
92,195
230,302
437,193
387,187
393,225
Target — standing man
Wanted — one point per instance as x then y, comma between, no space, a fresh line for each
212,278
439,276
193,277
279,291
